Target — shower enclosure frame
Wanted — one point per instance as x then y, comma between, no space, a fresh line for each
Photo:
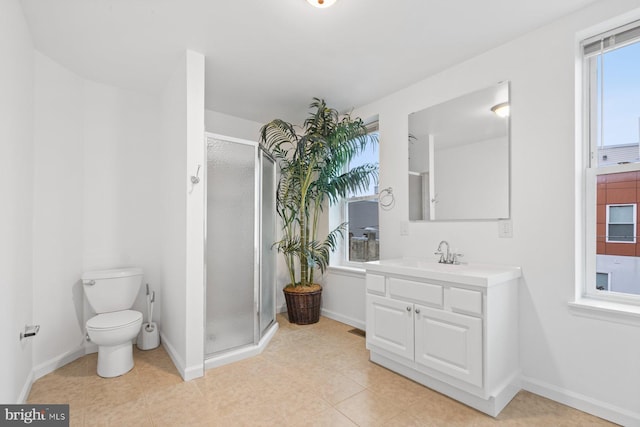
262,333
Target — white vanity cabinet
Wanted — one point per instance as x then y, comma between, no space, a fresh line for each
433,338
452,329
450,343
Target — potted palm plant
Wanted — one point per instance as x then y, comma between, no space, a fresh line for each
313,171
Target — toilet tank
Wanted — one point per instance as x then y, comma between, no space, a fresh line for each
112,290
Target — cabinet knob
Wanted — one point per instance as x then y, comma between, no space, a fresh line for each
418,310
408,308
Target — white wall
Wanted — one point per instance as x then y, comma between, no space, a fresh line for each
58,213
343,297
16,191
121,194
195,280
103,162
183,209
80,182
236,127
591,364
174,222
96,199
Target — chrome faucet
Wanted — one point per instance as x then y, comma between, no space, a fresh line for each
447,257
444,257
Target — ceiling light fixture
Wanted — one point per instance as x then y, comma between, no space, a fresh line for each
501,110
321,3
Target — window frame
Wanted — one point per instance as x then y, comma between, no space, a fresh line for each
587,288
340,214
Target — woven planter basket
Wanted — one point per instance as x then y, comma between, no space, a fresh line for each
303,308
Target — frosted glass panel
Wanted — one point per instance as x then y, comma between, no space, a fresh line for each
268,264
230,245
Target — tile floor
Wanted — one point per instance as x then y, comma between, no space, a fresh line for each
315,375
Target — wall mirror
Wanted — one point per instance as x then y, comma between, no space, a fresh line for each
459,158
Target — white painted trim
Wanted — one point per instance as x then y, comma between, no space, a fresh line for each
57,362
349,271
186,372
356,323
581,402
229,139
47,367
26,389
173,354
193,372
241,353
625,314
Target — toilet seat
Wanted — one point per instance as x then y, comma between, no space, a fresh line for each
114,320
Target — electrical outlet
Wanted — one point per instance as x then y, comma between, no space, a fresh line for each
505,228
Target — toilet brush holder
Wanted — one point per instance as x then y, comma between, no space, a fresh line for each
149,338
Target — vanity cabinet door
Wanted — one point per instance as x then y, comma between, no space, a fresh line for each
450,343
390,325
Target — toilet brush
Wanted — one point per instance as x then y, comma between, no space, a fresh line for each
149,337
150,300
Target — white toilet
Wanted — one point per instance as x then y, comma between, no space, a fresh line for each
111,294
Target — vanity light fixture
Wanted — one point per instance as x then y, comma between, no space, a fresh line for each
501,110
321,3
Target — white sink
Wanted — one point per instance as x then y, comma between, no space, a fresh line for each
470,274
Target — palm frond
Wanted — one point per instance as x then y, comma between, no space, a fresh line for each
312,169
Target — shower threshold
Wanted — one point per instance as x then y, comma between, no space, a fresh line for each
240,353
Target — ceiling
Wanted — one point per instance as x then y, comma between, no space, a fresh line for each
267,59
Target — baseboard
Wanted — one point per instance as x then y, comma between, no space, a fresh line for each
581,402
173,354
193,372
26,389
51,365
344,319
47,367
187,373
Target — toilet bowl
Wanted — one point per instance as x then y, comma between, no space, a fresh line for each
113,332
111,293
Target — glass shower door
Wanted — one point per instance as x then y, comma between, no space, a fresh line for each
231,248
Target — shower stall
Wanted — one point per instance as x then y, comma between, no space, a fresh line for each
240,299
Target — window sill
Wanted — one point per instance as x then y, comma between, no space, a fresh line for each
606,310
343,270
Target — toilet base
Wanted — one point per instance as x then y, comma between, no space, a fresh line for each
115,360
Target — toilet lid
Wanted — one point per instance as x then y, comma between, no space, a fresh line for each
114,320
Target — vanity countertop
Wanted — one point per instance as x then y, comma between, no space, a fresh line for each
484,275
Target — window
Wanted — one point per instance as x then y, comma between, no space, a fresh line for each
602,281
612,117
621,223
361,242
